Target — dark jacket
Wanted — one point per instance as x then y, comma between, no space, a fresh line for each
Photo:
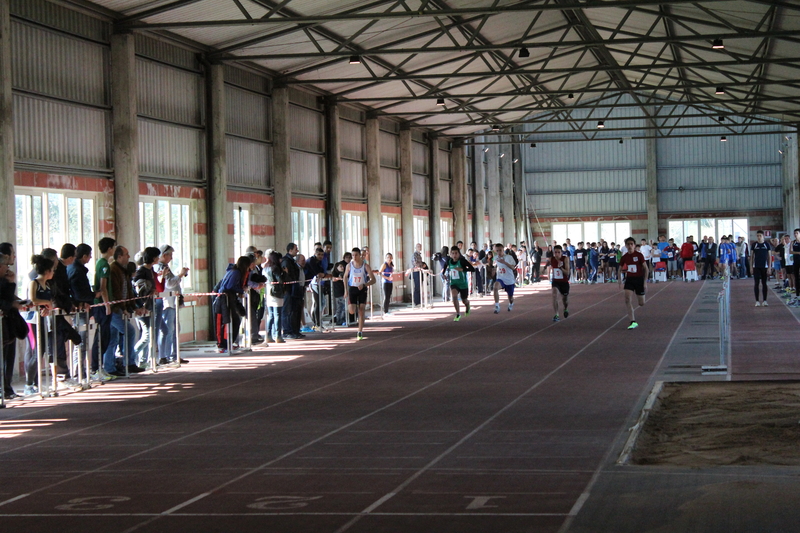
79,284
232,282
338,286
62,298
120,288
144,283
289,265
313,267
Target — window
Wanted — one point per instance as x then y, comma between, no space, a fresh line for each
419,233
50,220
389,227
353,231
241,230
588,232
445,225
168,221
708,227
306,229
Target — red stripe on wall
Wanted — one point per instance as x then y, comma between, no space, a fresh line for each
200,228
200,264
250,198
449,214
308,202
391,209
352,206
171,191
422,213
262,230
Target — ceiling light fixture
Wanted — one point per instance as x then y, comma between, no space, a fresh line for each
440,101
723,139
355,60
601,124
502,155
571,96
722,119
621,141
485,150
495,127
720,90
717,44
516,160
533,145
523,52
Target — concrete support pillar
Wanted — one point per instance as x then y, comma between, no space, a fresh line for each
507,196
479,195
406,200
282,168
8,224
458,170
374,217
125,150
519,194
791,185
493,192
220,215
333,151
437,239
652,189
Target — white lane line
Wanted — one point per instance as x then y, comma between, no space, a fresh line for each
488,421
15,498
650,382
277,513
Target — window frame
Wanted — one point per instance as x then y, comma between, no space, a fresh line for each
182,256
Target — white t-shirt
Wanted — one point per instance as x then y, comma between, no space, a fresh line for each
646,251
506,273
655,254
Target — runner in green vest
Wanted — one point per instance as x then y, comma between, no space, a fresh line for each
457,268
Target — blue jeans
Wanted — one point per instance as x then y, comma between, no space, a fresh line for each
274,323
117,327
142,347
166,334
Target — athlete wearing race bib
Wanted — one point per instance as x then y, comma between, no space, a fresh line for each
457,268
359,278
505,276
634,265
559,277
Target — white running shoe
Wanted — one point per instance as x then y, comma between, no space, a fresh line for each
758,304
496,308
510,306
765,304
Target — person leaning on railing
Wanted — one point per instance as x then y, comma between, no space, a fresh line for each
13,324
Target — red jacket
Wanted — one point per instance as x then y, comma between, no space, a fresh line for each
687,250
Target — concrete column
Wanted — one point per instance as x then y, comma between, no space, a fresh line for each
652,189
507,196
479,195
458,170
437,239
519,194
406,201
126,140
374,217
8,224
220,214
493,192
791,186
281,168
333,152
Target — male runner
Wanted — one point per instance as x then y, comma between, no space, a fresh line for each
580,263
359,277
505,276
635,268
794,252
759,266
457,268
558,269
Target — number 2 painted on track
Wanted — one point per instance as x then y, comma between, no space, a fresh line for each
92,503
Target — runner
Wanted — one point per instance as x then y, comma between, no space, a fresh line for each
504,278
558,270
635,267
457,268
359,278
759,266
794,253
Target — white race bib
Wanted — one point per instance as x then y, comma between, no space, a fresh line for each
357,281
501,270
454,274
633,269
558,273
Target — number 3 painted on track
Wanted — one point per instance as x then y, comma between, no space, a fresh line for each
268,503
92,503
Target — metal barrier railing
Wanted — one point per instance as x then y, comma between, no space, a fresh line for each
724,305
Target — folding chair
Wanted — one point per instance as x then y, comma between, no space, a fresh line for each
689,271
660,272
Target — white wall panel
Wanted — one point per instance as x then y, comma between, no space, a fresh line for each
390,185
389,147
619,203
419,158
169,93
720,177
444,194
351,140
53,64
444,165
170,151
710,200
420,189
354,176
709,151
306,129
60,134
585,156
248,163
308,173
585,181
62,18
247,113
165,52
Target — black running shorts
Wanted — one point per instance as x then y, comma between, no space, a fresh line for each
635,284
357,296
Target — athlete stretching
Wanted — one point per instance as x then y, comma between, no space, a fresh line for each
359,277
635,268
558,269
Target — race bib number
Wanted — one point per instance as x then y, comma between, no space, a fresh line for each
632,269
579,256
455,274
357,280
501,270
558,273
670,255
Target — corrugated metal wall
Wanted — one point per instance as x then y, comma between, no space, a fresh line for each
575,204
62,110
171,108
389,148
307,143
353,159
247,124
708,175
444,194
420,190
419,168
